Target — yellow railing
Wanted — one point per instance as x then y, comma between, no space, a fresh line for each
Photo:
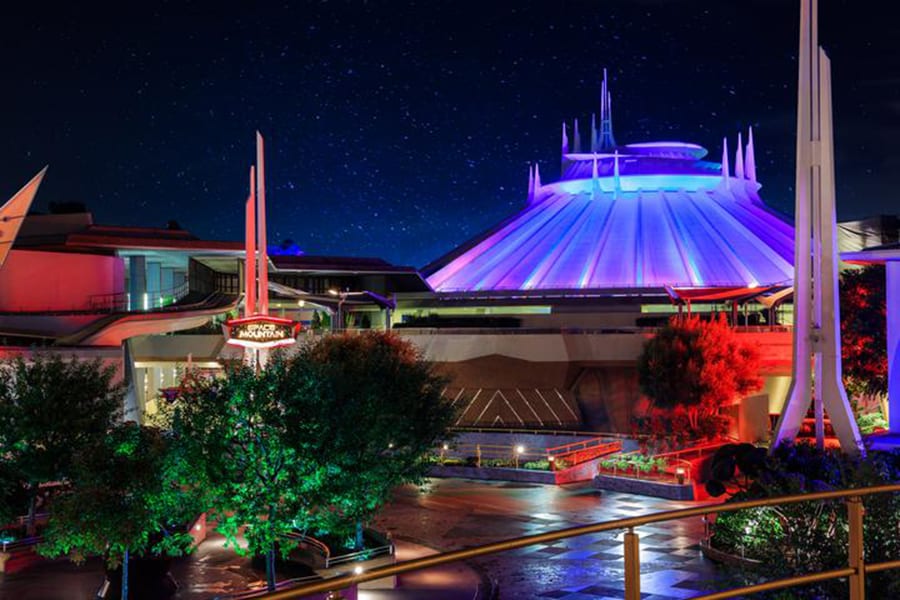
855,571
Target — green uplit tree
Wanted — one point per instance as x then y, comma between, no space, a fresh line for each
50,407
10,492
128,495
254,439
382,412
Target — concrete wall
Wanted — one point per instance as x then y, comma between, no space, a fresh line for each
57,281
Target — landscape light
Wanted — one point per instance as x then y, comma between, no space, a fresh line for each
357,570
520,449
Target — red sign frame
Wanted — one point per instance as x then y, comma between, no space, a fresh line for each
261,331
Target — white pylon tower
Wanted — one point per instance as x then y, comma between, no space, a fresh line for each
256,261
816,375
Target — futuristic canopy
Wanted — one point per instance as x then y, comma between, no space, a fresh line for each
647,215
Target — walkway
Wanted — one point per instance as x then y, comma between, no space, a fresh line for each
459,513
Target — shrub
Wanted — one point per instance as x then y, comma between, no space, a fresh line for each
810,537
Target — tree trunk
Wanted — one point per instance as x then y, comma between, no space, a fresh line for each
125,575
270,555
270,569
359,535
30,527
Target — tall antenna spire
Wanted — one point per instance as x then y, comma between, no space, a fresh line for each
739,159
750,161
726,169
537,178
616,178
262,299
816,367
606,141
530,184
565,139
593,132
250,284
577,137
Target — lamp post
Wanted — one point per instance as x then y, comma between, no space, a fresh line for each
339,316
387,304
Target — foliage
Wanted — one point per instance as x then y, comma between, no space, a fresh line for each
871,422
811,537
382,412
641,463
126,498
12,502
863,330
254,440
689,370
537,465
49,407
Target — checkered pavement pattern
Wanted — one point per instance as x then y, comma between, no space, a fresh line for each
592,566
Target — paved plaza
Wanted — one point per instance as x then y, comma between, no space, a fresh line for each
460,513
457,513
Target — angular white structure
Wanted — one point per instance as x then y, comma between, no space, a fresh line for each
13,213
816,372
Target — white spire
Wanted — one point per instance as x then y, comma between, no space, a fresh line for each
576,135
750,161
595,180
605,139
537,178
726,170
530,184
616,178
593,132
565,139
739,159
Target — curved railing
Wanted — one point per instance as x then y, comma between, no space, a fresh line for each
855,571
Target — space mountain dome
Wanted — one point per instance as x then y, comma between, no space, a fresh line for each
631,217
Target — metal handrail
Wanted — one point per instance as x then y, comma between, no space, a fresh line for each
553,432
855,571
606,330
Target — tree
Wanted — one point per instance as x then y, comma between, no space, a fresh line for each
694,367
49,407
256,456
127,496
863,334
382,411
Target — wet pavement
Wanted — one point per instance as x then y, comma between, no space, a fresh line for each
453,514
459,513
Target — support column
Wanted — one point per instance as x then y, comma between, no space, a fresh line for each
154,284
892,306
167,280
137,281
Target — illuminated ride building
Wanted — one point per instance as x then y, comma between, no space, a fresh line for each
537,322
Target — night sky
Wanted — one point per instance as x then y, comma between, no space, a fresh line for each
401,129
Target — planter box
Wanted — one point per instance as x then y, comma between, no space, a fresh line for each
20,555
645,487
720,556
493,474
367,565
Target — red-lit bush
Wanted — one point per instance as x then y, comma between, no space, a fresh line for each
864,345
689,370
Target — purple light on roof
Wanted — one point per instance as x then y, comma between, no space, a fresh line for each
673,222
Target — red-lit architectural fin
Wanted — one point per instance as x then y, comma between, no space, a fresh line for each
13,213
